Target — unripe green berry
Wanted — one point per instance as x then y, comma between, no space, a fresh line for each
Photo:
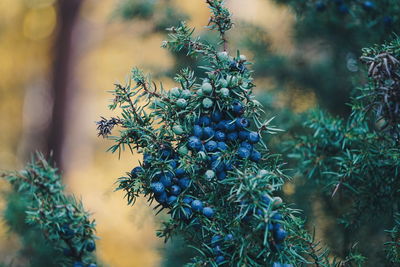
186,94
207,103
177,129
223,83
200,92
223,55
183,150
175,92
210,174
206,88
224,92
182,103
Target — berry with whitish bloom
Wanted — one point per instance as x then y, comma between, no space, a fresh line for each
177,129
224,92
197,205
208,132
220,136
216,116
90,246
223,83
243,153
175,190
254,137
242,123
222,146
181,102
175,92
158,188
186,94
204,121
220,259
198,131
237,108
184,182
209,174
183,150
223,55
136,171
208,212
229,237
194,143
207,88
171,200
255,156
207,103
200,92
211,146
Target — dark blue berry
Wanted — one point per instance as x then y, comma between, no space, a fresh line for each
388,21
136,171
166,180
184,182
220,136
277,217
246,145
208,212
173,164
166,153
222,146
194,143
198,131
220,259
197,205
237,108
180,172
368,5
171,200
186,213
280,235
211,146
221,175
255,156
242,123
175,190
187,200
233,136
208,132
216,116
266,199
343,9
162,198
90,246
158,188
216,239
204,121
243,153
243,135
230,126
78,264
228,166
218,166
320,6
220,125
254,137
67,231
229,237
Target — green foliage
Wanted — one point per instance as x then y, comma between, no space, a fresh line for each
357,160
243,221
61,218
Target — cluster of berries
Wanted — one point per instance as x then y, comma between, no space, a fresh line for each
68,234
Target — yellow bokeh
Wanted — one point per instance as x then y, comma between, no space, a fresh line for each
39,23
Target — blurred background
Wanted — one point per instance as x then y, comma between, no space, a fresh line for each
58,59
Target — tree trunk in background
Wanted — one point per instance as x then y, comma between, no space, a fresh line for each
68,11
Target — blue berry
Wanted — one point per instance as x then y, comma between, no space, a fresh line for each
220,125
211,146
254,137
277,217
242,123
158,188
166,180
230,126
166,153
233,136
204,121
229,237
277,264
186,213
280,235
222,146
217,250
92,265
173,164
246,145
171,200
266,199
180,172
216,116
388,21
243,135
237,108
208,132
228,166
218,166
184,182
67,231
320,6
255,156
187,200
90,246
216,239
136,171
162,198
78,264
198,131
208,212
343,9
368,5
221,175
220,259
220,136
175,190
194,143
197,205
243,153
